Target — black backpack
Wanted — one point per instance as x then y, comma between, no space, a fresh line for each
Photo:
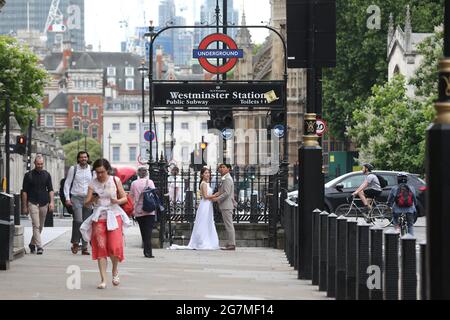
383,182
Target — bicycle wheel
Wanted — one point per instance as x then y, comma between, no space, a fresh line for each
381,215
346,210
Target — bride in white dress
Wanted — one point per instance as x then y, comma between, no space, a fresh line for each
204,235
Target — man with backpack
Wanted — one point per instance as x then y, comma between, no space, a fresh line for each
370,188
402,199
145,219
75,191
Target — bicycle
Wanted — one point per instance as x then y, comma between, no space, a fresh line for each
380,214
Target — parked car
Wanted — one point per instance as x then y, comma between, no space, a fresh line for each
339,189
126,175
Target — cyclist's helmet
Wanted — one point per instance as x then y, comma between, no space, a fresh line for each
368,166
402,177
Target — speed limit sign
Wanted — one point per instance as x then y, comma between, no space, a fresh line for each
321,127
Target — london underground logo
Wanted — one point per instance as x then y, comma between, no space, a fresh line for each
203,53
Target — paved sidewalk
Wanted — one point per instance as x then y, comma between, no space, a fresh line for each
248,273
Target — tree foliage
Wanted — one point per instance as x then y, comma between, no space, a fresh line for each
21,79
69,135
361,53
71,149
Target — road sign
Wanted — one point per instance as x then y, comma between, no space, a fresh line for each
321,127
149,135
232,46
278,131
141,161
227,133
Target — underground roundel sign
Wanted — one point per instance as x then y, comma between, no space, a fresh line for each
232,53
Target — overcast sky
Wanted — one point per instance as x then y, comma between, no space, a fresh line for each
103,18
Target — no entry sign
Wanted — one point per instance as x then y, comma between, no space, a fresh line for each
232,53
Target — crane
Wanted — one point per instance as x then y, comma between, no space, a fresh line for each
54,19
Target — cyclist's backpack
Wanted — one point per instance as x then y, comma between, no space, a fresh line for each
383,182
404,197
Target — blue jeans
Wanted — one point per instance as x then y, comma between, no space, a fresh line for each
409,220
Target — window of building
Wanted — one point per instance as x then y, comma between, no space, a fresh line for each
132,126
111,71
76,106
185,125
117,107
129,84
49,120
116,153
94,132
132,153
129,71
89,84
76,124
134,106
204,126
85,128
116,126
185,154
85,110
95,113
112,81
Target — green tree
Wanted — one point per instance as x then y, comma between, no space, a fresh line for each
71,149
69,135
361,53
390,128
21,79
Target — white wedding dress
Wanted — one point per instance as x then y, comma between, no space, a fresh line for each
204,235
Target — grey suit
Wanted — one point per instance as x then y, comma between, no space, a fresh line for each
226,205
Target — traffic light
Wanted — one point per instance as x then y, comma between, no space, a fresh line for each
21,145
203,147
196,159
221,119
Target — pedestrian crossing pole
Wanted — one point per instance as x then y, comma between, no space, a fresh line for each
438,181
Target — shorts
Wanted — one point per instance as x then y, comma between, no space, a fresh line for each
371,193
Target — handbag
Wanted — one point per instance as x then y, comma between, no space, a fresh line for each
128,206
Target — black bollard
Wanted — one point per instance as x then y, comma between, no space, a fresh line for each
391,265
315,247
6,229
288,234
350,275
331,259
341,232
17,209
423,270
362,258
375,283
295,228
409,268
323,255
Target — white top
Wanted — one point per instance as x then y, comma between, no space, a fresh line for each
81,182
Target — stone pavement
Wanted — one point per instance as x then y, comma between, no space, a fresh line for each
247,273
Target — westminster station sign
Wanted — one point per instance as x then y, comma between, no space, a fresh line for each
218,95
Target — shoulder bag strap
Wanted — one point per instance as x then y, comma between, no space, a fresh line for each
73,178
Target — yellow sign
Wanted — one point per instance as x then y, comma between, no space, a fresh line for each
4,184
271,96
332,158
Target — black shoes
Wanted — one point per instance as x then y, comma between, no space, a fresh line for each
148,255
32,248
40,251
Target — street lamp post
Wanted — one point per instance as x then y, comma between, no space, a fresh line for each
143,69
164,145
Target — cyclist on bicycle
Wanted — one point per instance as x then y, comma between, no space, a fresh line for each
370,188
402,199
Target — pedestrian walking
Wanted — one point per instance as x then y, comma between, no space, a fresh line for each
104,227
75,191
37,201
146,220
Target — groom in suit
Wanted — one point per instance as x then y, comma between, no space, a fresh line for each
225,198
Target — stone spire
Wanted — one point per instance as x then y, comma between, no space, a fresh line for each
408,30
391,29
243,36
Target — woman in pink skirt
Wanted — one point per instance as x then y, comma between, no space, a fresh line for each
104,228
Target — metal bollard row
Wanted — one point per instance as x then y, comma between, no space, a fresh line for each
376,261
362,258
423,270
341,249
350,274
